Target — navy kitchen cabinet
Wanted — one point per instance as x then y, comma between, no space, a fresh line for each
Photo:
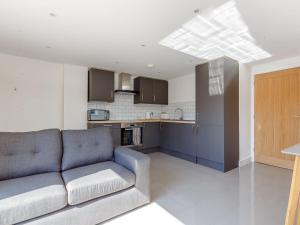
217,114
101,85
187,139
179,139
115,130
150,91
160,91
168,136
151,135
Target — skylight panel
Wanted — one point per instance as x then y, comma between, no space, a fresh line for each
221,32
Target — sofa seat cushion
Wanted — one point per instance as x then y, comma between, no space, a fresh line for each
97,180
29,197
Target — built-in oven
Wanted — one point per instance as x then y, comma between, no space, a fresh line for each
132,135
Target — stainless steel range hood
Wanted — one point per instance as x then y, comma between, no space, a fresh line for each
125,84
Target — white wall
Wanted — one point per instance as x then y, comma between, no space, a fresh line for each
32,95
276,65
75,97
245,115
182,89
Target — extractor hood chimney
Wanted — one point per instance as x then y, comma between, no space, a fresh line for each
125,84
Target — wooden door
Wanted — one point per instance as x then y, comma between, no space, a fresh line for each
277,116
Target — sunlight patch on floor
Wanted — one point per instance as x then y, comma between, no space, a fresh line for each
147,215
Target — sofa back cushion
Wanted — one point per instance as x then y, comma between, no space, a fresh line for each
28,153
85,147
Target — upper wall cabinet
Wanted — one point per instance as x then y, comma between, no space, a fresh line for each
150,91
160,89
101,85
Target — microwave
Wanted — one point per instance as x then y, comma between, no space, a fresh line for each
97,114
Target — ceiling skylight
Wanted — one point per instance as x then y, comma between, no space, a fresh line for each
215,34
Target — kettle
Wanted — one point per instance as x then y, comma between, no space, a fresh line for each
149,115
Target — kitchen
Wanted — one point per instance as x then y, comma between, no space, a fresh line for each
203,130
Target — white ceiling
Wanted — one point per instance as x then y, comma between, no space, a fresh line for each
108,33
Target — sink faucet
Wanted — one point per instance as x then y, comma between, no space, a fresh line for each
181,113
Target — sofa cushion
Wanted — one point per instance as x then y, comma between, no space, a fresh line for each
29,197
86,147
28,153
97,180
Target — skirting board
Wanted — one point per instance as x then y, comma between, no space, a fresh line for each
245,161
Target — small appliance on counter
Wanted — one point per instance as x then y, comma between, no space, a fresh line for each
97,115
164,116
149,115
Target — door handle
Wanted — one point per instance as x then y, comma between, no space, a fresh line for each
297,116
193,126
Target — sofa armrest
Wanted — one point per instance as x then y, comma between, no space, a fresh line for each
139,164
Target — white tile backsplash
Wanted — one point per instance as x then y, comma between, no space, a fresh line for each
124,109
189,110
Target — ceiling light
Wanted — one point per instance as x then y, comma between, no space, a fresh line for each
52,14
197,11
47,46
213,35
150,65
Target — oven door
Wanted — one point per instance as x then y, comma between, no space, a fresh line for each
132,136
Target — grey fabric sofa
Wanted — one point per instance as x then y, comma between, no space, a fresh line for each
69,177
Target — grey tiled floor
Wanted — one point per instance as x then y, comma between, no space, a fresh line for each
185,193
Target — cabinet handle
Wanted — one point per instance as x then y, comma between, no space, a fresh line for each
112,94
193,126
142,96
197,116
107,125
197,129
154,99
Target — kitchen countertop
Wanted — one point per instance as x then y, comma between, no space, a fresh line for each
146,121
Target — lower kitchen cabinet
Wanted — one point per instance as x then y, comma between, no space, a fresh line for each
179,140
210,151
151,135
187,136
168,136
115,130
